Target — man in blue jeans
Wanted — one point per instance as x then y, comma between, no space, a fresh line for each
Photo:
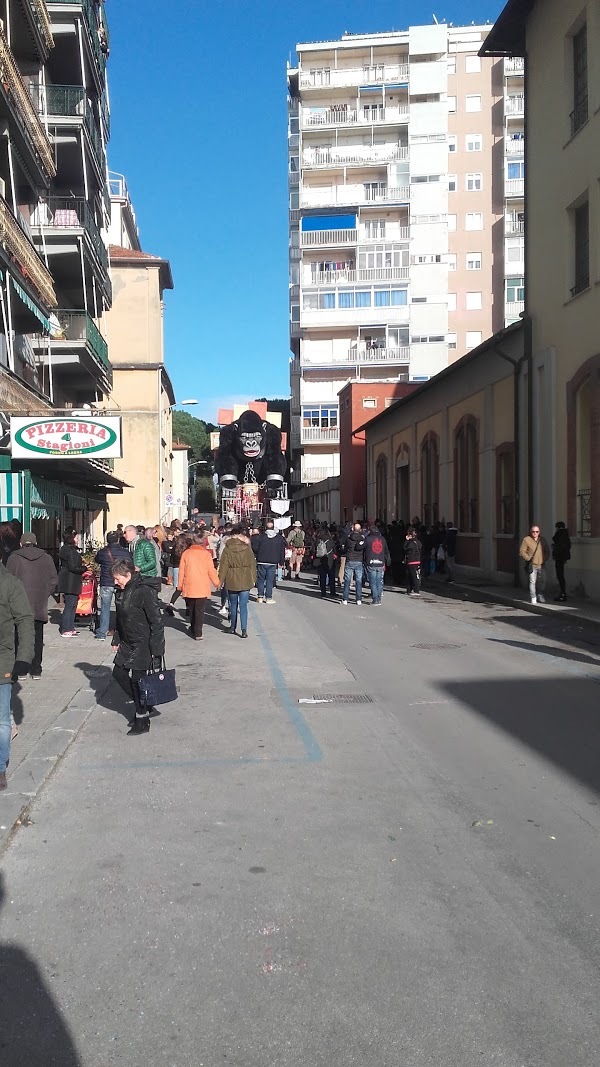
355,548
15,612
108,555
270,554
377,558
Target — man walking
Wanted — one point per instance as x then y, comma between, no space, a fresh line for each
15,612
143,555
355,547
412,555
108,555
325,554
35,569
449,546
561,554
535,552
296,542
270,554
377,558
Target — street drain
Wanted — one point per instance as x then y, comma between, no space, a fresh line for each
438,648
337,698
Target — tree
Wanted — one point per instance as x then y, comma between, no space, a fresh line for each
193,432
204,496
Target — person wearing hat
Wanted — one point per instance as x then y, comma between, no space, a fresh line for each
296,542
35,569
112,551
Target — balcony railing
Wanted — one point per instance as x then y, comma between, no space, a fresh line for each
42,20
319,434
378,74
514,308
360,355
18,245
514,146
69,101
514,227
346,116
317,474
514,65
514,105
340,157
312,238
71,213
366,274
96,31
354,194
584,513
78,326
14,88
514,187
579,116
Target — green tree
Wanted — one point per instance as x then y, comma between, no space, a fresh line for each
193,432
204,497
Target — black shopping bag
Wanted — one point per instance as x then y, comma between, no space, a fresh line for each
158,687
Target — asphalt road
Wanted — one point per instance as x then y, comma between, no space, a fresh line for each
407,879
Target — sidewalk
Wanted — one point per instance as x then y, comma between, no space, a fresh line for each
572,610
50,712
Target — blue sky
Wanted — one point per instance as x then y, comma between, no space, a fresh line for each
198,100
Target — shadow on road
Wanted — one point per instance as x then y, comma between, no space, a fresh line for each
32,1029
556,717
549,650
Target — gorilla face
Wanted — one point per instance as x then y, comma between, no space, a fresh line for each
253,444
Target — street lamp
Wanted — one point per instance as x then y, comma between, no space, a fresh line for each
186,404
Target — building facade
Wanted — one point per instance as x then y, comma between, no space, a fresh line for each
398,173
562,298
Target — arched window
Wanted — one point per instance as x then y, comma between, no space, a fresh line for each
466,474
430,478
403,483
583,446
381,488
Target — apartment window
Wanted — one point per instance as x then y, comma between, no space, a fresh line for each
473,102
373,112
451,338
451,259
473,338
515,170
451,301
374,228
474,220
420,179
451,223
369,402
427,258
382,256
515,290
515,252
321,416
452,183
451,64
451,103
579,113
581,233
473,302
452,142
474,142
294,200
424,339
474,183
472,65
473,260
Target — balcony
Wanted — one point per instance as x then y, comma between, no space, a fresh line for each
98,31
78,343
360,356
39,13
514,227
514,308
316,474
514,187
382,315
318,238
367,274
378,74
320,435
55,102
67,215
514,146
347,116
314,157
19,107
514,105
20,248
514,65
345,195
295,366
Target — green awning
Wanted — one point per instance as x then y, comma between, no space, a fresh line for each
30,304
97,505
47,498
78,503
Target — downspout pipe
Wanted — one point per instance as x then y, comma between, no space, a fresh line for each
516,365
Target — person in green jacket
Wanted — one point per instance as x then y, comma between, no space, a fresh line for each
144,556
15,611
237,570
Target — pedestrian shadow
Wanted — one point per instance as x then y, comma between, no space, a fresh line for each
556,717
107,693
16,704
32,1028
549,650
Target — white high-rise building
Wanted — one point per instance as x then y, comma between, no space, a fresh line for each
400,146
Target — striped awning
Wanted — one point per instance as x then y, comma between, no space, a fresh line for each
11,496
39,314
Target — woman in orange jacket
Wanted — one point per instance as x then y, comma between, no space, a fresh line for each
196,575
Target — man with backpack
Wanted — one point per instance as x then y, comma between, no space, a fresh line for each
296,541
355,548
376,558
270,554
325,553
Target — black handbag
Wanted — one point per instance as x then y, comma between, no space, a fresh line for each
157,687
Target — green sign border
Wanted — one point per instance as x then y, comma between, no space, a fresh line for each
29,447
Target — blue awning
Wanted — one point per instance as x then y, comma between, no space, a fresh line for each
329,222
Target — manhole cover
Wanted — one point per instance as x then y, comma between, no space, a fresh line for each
337,698
437,648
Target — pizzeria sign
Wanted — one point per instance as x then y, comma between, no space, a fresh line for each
65,438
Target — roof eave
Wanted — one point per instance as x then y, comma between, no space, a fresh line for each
507,36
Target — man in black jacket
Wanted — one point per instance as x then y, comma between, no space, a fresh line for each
449,546
412,555
377,558
270,554
355,547
139,637
106,557
325,554
37,572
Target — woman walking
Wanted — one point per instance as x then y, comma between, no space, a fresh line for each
237,570
196,575
69,582
180,545
138,637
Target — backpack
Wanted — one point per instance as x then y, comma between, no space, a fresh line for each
322,550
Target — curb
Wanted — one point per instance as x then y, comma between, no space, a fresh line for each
32,774
497,597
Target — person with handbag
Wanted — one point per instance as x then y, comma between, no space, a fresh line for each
108,555
196,575
70,580
138,637
535,553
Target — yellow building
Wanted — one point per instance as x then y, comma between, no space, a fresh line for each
448,452
142,392
559,40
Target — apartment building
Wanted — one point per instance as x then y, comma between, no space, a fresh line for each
54,277
399,165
